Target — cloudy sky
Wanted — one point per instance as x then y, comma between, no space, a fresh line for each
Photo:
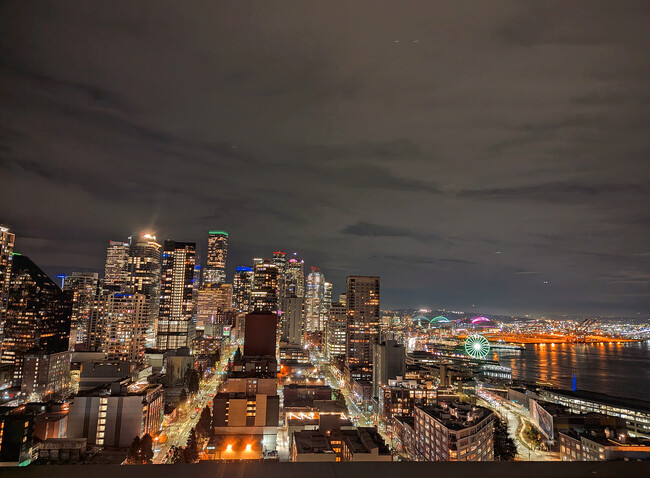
477,155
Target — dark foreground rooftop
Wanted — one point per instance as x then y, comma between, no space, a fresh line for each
342,470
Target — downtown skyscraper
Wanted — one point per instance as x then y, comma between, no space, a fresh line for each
125,325
7,239
215,269
242,286
84,288
294,278
38,315
362,298
265,293
116,270
314,301
177,315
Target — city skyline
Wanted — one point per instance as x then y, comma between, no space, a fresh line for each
435,304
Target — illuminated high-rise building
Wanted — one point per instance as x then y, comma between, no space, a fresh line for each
144,274
294,278
314,297
125,326
116,270
177,315
242,286
6,254
279,259
264,294
212,300
84,288
292,323
336,332
38,315
327,303
215,269
362,297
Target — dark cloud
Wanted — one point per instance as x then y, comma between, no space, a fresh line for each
559,191
465,153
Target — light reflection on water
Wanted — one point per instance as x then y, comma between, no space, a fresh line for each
615,369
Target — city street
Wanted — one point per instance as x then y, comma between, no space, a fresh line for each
178,431
515,417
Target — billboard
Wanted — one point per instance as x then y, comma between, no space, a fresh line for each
542,419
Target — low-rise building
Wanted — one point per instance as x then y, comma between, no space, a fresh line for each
339,444
297,395
16,435
453,432
635,412
598,443
234,448
400,397
60,450
45,374
114,415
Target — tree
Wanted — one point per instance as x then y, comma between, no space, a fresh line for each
217,355
178,455
504,446
192,448
204,425
237,357
146,449
133,455
193,385
340,400
183,396
140,451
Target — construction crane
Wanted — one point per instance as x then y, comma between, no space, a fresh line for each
578,333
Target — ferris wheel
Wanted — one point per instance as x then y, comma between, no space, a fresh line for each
477,346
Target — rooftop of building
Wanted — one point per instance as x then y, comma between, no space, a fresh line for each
311,441
630,403
252,374
457,415
606,437
307,386
121,388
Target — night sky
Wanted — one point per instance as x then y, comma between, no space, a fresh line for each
486,153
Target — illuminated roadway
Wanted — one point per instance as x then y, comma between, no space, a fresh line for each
515,417
178,431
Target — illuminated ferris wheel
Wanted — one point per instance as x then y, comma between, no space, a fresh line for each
477,346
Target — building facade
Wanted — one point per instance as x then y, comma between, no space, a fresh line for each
294,277
215,269
362,297
144,274
242,286
45,374
264,294
389,362
453,432
84,287
336,332
124,325
116,270
38,315
314,301
212,300
292,324
177,314
7,240
114,415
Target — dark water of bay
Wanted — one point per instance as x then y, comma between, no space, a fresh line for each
615,369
